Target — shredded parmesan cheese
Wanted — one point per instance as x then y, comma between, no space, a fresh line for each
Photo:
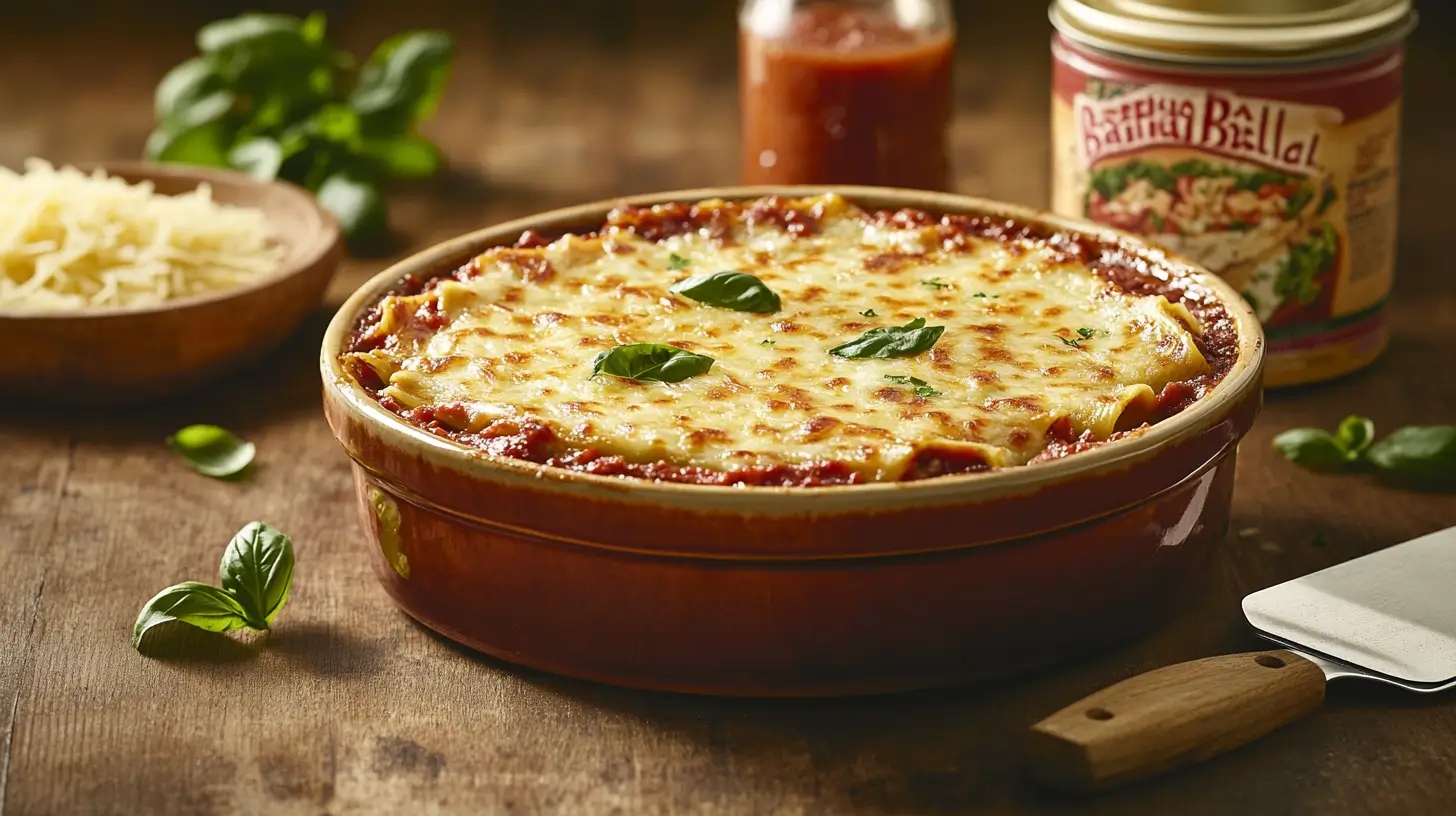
71,241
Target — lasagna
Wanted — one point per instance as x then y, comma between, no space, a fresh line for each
793,342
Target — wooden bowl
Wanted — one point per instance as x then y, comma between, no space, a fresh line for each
794,590
129,355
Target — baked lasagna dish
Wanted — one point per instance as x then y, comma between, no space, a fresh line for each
794,342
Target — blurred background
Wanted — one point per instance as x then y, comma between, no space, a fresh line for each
555,102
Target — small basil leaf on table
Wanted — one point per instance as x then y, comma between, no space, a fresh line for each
651,362
1312,448
257,570
1417,455
891,341
401,83
212,451
730,289
1355,435
192,602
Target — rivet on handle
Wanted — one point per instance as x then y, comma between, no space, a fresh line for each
1269,661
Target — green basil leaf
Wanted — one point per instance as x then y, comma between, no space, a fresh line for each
357,204
257,568
192,94
729,289
1417,455
335,123
191,602
1355,435
891,341
401,83
245,29
313,27
922,388
260,157
404,157
262,50
212,451
1312,448
676,262
651,362
204,145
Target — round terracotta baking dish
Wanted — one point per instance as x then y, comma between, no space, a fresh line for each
792,591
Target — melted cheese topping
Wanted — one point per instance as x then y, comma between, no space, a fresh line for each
1030,338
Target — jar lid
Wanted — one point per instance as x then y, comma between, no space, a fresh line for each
1234,31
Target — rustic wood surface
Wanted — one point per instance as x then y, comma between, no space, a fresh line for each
348,706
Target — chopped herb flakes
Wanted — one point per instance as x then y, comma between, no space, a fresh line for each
922,388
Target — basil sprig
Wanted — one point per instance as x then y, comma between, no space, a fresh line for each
212,451
730,289
1421,456
651,362
270,96
256,574
891,341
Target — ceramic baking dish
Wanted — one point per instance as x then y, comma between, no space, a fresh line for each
792,591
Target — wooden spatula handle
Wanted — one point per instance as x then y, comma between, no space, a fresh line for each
1172,716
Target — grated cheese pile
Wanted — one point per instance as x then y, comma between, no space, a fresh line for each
71,241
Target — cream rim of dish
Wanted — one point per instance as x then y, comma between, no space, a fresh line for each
1234,31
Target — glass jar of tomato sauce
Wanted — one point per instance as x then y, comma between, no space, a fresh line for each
845,91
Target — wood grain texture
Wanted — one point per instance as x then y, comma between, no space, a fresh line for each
349,707
1172,716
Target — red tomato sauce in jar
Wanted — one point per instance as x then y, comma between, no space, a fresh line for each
844,95
1261,142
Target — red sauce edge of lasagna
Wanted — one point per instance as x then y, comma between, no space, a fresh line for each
533,441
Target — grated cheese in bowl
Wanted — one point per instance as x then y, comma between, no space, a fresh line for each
70,241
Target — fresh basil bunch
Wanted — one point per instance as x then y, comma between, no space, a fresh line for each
269,96
1421,456
256,575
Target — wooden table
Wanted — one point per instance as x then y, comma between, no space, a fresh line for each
349,706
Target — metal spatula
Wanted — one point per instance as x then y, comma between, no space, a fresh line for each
1389,616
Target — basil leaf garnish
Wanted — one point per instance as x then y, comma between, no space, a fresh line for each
256,573
891,341
730,289
923,389
257,569
212,451
1355,435
1419,456
1312,448
651,362
198,604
